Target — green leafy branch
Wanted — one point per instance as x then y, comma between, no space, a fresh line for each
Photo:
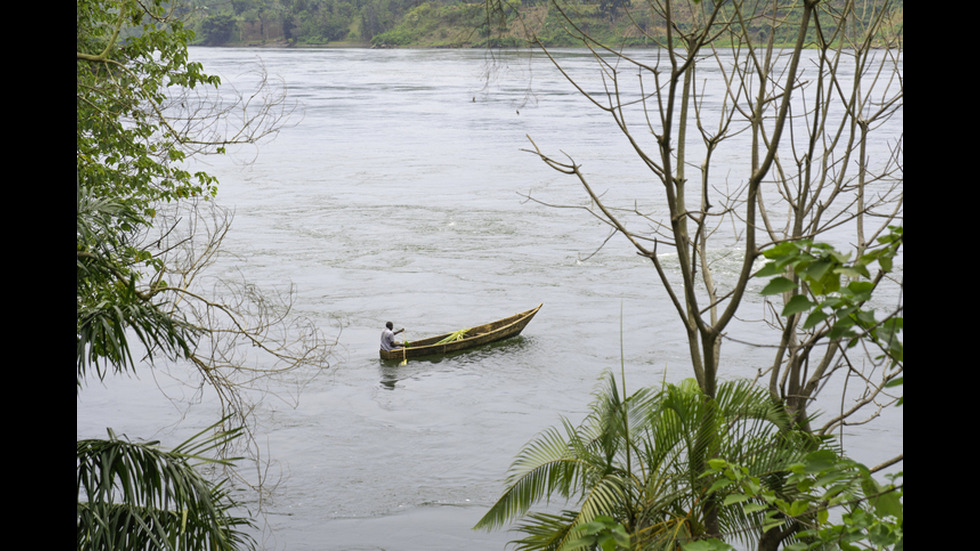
823,480
602,534
830,292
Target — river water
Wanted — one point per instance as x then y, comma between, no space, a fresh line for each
399,194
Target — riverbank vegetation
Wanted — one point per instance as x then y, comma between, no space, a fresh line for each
460,24
147,232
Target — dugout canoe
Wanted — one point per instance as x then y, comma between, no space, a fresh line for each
472,338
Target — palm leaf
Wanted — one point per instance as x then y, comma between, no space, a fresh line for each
545,531
138,496
640,460
546,466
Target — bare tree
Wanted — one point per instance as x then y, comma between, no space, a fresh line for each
252,344
755,121
764,126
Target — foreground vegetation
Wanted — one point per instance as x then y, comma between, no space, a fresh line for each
674,468
802,101
146,231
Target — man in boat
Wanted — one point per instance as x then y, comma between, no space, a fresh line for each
388,341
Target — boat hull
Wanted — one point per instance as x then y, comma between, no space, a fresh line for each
474,337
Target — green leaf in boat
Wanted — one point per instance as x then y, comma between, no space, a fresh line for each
453,337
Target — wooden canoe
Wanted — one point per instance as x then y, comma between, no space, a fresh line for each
473,337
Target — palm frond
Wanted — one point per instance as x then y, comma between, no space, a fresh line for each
641,460
546,466
138,496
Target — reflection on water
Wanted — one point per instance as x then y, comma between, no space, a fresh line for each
512,350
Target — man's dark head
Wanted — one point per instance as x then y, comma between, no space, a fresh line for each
389,325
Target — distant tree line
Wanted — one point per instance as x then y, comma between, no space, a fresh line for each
298,22
221,22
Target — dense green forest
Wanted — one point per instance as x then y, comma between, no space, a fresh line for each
437,23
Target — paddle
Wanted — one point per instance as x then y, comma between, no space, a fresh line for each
404,353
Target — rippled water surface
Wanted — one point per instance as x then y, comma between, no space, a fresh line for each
399,195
